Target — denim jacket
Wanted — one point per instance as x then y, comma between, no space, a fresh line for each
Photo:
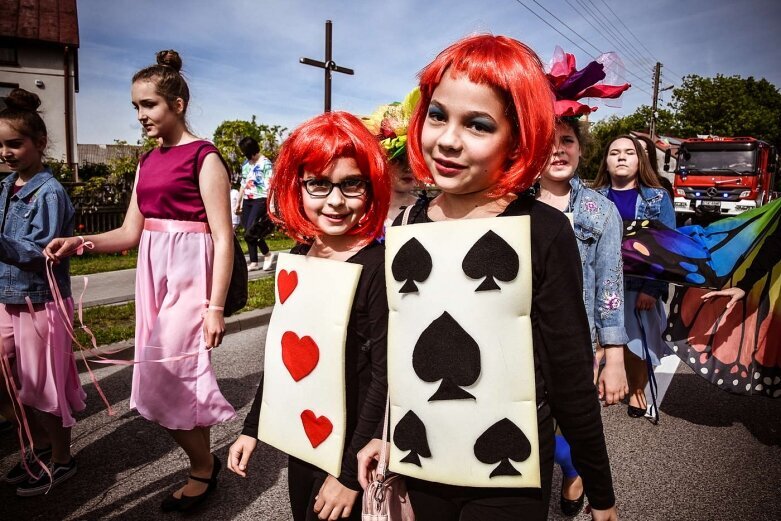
31,218
598,229
654,204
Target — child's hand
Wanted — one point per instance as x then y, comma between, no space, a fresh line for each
334,500
612,384
604,515
239,454
367,462
734,294
61,247
213,327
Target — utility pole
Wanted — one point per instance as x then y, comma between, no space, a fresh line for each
327,65
657,76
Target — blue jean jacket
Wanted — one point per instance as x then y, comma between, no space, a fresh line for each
38,213
653,204
598,229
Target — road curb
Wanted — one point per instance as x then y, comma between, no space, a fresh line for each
234,324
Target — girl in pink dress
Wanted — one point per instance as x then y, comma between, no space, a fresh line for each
39,384
179,217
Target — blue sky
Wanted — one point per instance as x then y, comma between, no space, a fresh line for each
241,56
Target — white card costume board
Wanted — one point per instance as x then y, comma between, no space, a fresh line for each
303,411
460,359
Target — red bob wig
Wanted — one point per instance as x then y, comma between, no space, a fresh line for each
515,72
312,147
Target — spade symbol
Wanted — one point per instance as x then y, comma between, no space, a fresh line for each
491,257
502,442
446,352
412,264
410,434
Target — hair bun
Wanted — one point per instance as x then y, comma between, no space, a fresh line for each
20,99
170,58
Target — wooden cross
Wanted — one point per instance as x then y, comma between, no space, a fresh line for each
328,65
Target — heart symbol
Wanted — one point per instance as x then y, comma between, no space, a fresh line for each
317,429
300,355
286,282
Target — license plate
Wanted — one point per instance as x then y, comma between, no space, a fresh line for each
715,204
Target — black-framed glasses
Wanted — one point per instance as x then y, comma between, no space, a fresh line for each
322,187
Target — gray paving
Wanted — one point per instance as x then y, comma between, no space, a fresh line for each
714,456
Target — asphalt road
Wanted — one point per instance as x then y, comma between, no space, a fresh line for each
713,456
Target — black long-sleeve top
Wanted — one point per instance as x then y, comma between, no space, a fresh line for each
768,256
366,356
563,357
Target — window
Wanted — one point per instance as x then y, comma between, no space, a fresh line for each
5,90
8,55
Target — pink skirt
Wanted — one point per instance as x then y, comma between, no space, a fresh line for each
173,283
40,353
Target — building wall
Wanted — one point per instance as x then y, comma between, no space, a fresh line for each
45,63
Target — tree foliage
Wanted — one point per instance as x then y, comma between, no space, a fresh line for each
228,134
728,106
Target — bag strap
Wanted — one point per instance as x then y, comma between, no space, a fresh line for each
381,467
197,156
405,217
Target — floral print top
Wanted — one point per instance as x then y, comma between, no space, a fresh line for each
255,178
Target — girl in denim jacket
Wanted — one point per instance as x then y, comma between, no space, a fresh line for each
625,177
598,230
41,388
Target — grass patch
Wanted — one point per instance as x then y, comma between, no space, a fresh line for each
115,323
109,324
260,294
98,263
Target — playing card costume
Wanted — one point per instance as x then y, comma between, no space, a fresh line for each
460,346
321,411
304,360
466,428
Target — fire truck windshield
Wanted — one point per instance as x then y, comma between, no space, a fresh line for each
709,161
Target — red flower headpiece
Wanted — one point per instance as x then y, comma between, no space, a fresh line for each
570,84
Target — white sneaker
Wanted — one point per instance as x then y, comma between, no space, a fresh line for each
268,260
252,266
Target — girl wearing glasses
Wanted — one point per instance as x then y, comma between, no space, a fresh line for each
331,192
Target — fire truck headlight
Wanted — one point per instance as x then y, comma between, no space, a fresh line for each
680,191
744,193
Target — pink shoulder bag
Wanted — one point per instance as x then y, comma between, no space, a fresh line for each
386,498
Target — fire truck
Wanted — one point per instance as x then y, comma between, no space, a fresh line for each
719,177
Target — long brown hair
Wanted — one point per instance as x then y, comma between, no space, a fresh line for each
645,175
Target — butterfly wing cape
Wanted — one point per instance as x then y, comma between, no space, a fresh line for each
738,349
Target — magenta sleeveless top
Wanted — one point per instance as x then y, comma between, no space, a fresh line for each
167,186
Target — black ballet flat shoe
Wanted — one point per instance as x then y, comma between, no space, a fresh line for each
571,507
186,503
635,412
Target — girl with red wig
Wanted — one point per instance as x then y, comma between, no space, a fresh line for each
482,133
331,192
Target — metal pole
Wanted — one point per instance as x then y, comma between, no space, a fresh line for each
657,75
328,65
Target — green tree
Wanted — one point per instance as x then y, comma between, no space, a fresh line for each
228,134
728,106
